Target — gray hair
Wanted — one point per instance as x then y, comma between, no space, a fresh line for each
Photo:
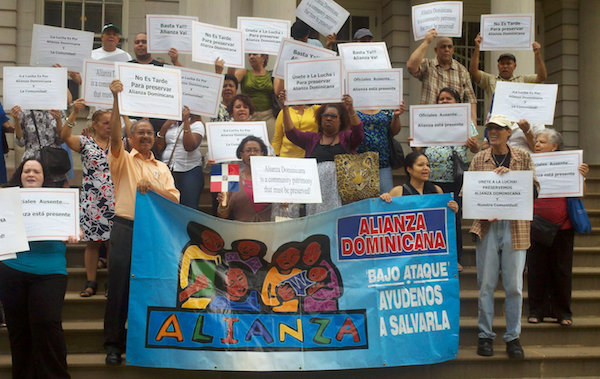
554,137
135,124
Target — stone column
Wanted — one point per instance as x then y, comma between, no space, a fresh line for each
588,74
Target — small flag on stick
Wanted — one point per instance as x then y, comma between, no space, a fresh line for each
225,178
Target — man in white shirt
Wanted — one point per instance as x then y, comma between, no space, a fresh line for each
109,51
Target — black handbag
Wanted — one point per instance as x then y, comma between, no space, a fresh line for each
543,231
396,152
458,167
54,159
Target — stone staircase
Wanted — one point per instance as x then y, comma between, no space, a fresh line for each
551,351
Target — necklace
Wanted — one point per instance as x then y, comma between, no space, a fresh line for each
496,160
103,148
330,143
299,117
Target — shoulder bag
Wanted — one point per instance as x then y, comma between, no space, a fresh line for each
55,159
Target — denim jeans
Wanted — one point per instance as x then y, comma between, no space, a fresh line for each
494,255
386,179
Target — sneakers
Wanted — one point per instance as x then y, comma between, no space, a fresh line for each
485,348
514,349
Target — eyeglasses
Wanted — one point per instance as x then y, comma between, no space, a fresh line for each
252,151
144,132
490,128
332,116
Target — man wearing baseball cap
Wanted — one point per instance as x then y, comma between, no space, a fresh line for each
110,38
501,245
363,35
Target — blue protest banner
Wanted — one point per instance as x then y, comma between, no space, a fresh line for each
370,284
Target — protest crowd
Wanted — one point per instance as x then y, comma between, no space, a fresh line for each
124,154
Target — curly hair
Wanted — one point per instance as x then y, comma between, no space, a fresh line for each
245,99
343,114
240,148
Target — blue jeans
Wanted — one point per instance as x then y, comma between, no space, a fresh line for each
190,184
386,179
494,254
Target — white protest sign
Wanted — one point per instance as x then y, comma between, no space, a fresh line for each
324,16
12,227
446,17
263,35
285,180
533,102
149,91
558,173
314,81
291,49
507,31
35,87
67,47
97,76
166,31
212,42
487,195
440,124
51,214
201,91
375,89
365,56
223,138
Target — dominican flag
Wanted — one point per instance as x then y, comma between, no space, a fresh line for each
225,178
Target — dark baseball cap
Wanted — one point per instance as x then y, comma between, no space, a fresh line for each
110,26
507,55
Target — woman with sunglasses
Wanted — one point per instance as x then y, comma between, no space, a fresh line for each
501,244
340,132
96,198
240,206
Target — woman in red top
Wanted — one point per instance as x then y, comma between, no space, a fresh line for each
549,268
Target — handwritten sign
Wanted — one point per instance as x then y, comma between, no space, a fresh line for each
446,17
534,102
12,227
149,91
223,138
488,195
440,124
67,47
97,76
314,81
365,56
558,173
166,31
285,180
263,35
50,214
35,87
291,50
507,31
201,91
375,89
325,16
212,42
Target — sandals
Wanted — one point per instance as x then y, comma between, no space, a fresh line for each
90,289
535,319
565,321
102,263
106,289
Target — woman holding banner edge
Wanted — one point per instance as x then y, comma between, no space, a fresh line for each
340,132
549,268
32,289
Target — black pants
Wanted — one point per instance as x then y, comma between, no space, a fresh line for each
448,188
119,268
33,306
549,272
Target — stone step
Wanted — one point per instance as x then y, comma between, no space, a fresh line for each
88,336
76,308
581,240
583,303
557,361
78,278
584,278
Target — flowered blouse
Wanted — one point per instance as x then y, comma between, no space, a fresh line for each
376,128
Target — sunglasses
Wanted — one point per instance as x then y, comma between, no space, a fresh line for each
332,116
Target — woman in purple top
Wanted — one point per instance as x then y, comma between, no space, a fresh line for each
340,132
